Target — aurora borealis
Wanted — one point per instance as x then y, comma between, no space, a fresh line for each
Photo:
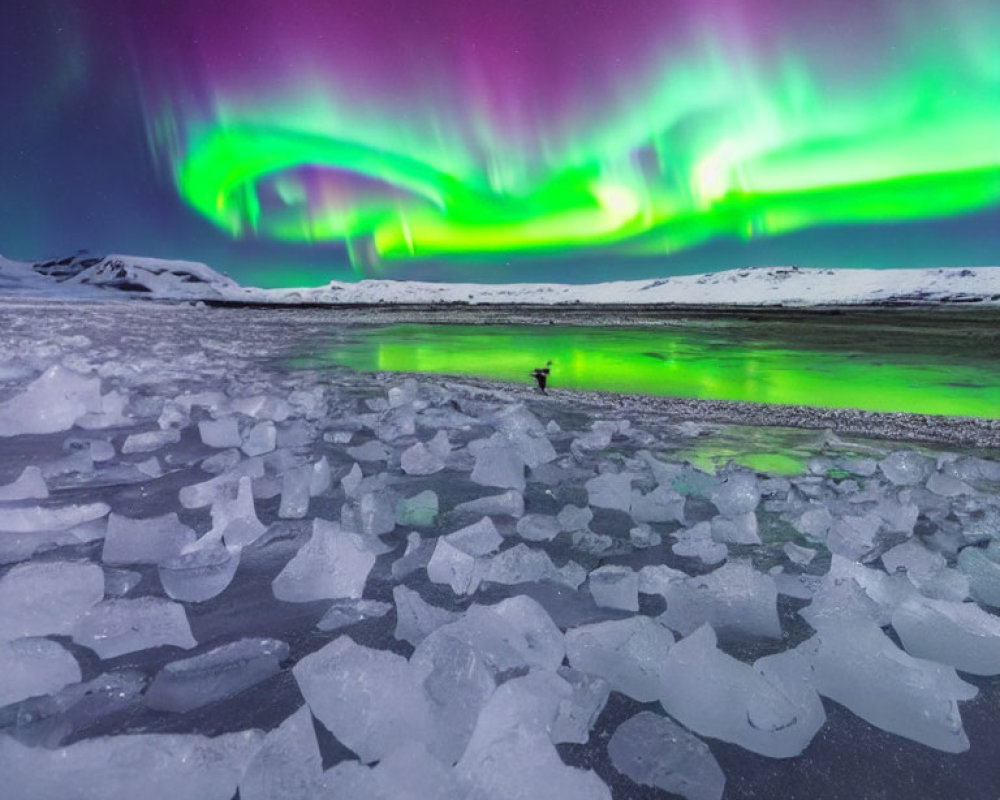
558,140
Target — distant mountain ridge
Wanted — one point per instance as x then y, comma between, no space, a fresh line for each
123,276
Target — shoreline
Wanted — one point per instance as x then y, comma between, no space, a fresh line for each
975,432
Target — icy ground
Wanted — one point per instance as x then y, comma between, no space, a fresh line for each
791,286
221,574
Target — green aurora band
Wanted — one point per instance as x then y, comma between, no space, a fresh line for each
710,143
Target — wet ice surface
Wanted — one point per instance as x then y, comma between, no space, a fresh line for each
221,572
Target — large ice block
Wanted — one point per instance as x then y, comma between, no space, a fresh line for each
627,653
655,751
119,626
329,565
226,670
857,665
47,597
145,541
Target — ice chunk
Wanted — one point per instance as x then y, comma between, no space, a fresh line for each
627,653
351,481
48,720
478,539
959,634
419,459
150,440
29,519
697,542
815,522
288,765
662,504
190,683
575,518
458,557
111,415
221,462
611,490
511,755
418,511
119,582
260,439
295,492
916,561
418,552
592,440
416,618
408,773
538,527
855,537
396,423
984,575
642,536
16,547
220,433
654,578
262,407
589,542
50,403
948,485
509,503
221,487
350,611
47,597
30,485
329,565
798,554
906,468
737,493
456,683
151,766
578,711
122,626
320,478
857,665
236,520
738,529
735,599
655,751
614,586
369,699
523,564
32,667
460,570
370,451
145,541
440,445
376,512
515,634
200,574
897,516
101,451
715,695
497,464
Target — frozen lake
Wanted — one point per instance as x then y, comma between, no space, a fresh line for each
233,560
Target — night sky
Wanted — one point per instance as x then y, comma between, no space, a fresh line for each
295,142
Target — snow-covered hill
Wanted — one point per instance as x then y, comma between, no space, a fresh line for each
92,276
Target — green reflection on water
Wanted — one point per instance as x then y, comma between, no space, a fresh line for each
857,371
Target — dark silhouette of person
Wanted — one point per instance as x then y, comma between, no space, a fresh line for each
541,375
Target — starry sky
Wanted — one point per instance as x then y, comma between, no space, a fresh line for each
296,142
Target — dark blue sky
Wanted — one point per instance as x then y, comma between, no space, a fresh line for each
77,172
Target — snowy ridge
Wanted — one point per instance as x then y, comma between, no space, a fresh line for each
82,276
